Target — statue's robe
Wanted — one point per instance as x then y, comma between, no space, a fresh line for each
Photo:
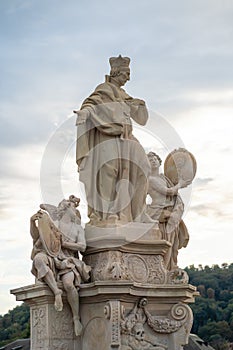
112,163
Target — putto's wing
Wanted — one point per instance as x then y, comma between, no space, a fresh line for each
51,209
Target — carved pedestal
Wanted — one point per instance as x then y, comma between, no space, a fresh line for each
133,252
131,303
109,313
131,316
50,329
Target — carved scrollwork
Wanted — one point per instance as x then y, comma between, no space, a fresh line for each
137,268
117,265
107,311
157,271
61,327
165,325
179,312
113,311
180,315
177,276
39,326
134,334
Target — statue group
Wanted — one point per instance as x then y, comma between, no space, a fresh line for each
118,177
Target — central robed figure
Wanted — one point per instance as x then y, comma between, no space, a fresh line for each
112,164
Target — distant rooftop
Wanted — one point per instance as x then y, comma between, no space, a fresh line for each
196,343
20,344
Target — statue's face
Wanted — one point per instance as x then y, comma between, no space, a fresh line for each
123,76
154,162
139,332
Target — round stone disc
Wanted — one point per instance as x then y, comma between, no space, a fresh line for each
180,164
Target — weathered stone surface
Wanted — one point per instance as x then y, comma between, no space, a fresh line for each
50,329
108,314
57,238
136,297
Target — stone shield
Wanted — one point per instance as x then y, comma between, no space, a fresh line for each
49,235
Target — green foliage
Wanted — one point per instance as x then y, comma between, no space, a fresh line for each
213,309
15,324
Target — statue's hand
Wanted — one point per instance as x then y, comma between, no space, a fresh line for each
138,102
37,216
83,114
184,183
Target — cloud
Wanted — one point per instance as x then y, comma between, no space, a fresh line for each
202,182
217,212
181,65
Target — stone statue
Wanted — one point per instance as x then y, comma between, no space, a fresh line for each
57,238
130,248
112,163
167,207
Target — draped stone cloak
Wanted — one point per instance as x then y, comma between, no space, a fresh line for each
112,163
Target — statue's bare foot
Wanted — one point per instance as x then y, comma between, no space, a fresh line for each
78,328
58,304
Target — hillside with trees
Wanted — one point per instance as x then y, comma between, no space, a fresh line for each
15,324
213,309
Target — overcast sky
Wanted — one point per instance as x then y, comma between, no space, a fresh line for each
53,54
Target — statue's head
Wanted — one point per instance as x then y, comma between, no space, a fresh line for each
154,159
73,199
120,69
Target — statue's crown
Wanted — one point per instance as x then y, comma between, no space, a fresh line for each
119,61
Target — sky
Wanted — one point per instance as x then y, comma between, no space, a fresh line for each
54,53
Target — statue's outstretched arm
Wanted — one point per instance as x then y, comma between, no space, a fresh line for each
162,188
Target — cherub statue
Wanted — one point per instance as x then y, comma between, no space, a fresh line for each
167,207
57,238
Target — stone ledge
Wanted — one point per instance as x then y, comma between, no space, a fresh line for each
125,290
131,236
102,291
142,246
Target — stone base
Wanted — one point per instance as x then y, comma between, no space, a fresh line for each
133,254
50,329
113,237
133,302
108,313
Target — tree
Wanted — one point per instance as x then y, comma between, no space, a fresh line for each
213,309
15,324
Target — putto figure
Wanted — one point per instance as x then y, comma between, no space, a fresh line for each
112,163
57,238
167,207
